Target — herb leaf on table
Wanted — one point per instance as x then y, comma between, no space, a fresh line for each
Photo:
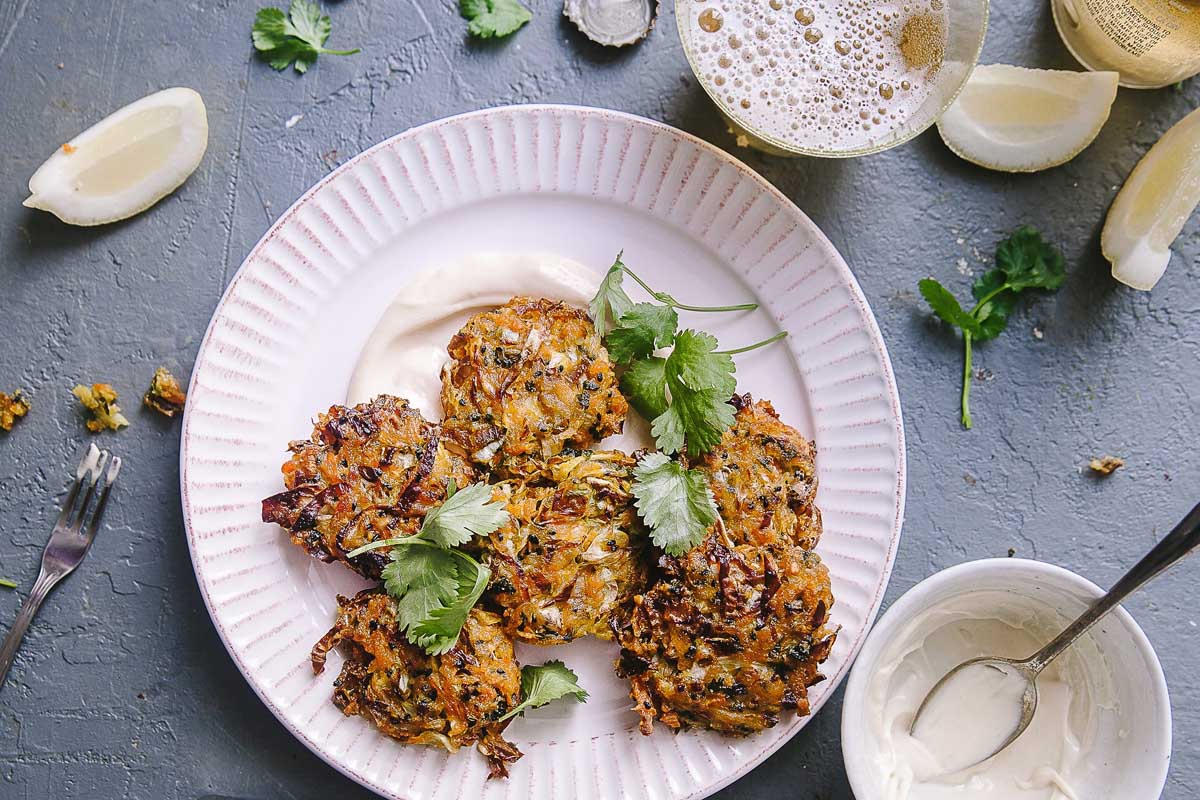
493,19
1023,261
297,37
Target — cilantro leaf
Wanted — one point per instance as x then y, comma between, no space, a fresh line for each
493,18
640,331
610,302
540,685
675,503
1023,261
694,364
644,384
1027,262
438,631
697,419
466,513
420,579
298,37
946,306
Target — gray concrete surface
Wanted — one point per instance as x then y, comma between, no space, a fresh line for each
122,688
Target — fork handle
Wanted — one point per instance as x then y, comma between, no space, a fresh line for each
8,651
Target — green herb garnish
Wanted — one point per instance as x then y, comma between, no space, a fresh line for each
434,585
493,19
676,503
540,685
8,583
298,37
1023,261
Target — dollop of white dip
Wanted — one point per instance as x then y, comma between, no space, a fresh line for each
1039,765
405,353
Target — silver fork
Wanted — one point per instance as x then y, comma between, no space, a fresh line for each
69,543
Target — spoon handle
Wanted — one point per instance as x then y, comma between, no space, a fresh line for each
1174,546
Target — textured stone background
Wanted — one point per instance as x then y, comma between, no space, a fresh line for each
122,688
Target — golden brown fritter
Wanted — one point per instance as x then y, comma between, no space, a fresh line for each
369,472
729,637
573,550
529,380
448,701
763,476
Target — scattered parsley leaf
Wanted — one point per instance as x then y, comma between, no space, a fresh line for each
1023,261
540,685
298,37
675,503
100,399
640,331
420,579
466,513
694,364
644,384
8,583
439,630
490,19
12,408
610,302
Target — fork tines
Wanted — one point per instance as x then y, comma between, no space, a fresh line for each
96,473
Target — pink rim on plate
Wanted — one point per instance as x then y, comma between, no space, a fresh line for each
582,183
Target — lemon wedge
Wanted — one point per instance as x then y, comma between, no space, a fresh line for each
1015,119
126,162
1157,198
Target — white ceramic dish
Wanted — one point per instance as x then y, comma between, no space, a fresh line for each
1135,732
581,183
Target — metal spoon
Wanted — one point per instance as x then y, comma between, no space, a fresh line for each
1177,544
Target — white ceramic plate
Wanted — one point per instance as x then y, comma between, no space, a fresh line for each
582,183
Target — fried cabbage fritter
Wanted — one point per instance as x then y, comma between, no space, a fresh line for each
763,476
448,701
529,380
573,550
728,638
369,472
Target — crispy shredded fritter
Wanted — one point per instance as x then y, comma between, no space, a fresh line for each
763,476
452,700
573,550
367,473
12,408
733,632
164,395
729,637
529,380
100,399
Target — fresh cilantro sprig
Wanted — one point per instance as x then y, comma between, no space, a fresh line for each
493,19
297,37
676,503
1023,261
434,585
540,685
685,395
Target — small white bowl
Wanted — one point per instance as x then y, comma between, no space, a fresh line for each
1136,733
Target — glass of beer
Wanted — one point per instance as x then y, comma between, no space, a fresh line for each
832,78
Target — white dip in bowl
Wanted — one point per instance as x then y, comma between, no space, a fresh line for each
1103,724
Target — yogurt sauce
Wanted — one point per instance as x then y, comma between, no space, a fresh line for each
1039,765
404,355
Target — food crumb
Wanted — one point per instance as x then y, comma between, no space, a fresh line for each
1038,333
1012,551
100,399
1106,465
292,120
12,408
68,148
164,395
